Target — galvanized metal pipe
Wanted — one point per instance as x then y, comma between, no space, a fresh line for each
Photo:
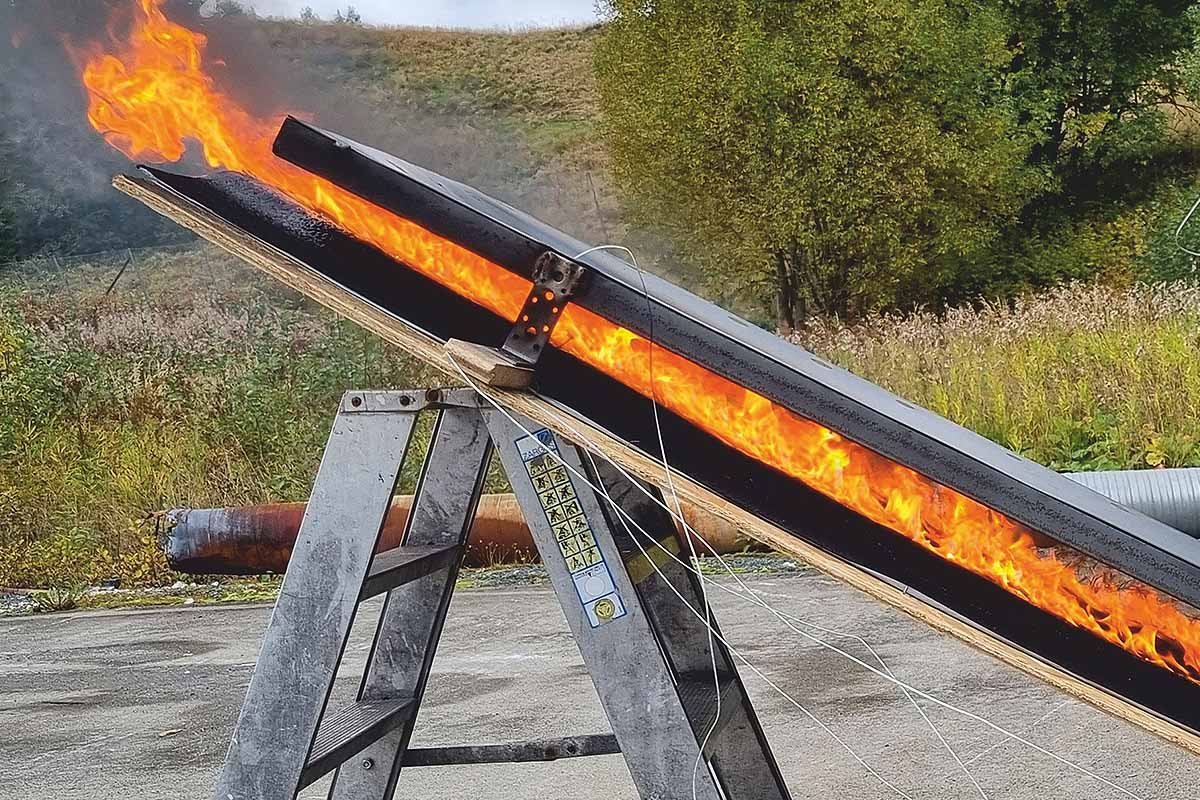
1168,495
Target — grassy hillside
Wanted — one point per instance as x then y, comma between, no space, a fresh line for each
511,112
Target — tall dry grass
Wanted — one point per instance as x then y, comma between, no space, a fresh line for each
112,411
1079,377
186,394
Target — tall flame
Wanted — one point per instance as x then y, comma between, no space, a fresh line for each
150,96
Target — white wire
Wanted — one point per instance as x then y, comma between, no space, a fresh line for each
691,535
1182,225
584,441
751,597
962,765
889,677
732,650
1031,726
662,448
622,248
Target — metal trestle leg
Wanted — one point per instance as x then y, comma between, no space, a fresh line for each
646,651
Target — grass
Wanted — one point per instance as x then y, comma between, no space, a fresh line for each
512,112
112,410
58,598
239,590
1078,378
546,72
211,391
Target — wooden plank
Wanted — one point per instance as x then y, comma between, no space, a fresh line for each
489,365
305,280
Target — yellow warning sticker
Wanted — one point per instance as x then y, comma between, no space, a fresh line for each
572,532
591,557
605,609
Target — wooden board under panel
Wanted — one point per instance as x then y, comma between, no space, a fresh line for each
313,284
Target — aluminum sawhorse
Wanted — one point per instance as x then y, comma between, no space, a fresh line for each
646,651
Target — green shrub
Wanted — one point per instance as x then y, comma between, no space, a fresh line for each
1166,258
58,598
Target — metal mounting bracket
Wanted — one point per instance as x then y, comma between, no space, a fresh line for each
555,281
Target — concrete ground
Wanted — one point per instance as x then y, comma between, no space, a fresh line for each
139,704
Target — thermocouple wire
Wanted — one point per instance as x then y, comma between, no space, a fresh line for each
584,440
732,650
689,535
662,448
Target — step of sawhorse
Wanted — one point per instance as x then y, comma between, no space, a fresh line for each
647,652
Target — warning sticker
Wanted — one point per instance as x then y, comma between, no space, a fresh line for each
556,493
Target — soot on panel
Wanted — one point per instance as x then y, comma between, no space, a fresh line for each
358,266
747,483
789,376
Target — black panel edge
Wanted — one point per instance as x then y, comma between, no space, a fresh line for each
1144,548
569,383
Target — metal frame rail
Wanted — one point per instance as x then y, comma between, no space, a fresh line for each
646,652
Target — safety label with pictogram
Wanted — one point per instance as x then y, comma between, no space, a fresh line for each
573,533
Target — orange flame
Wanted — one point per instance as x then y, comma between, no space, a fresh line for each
150,96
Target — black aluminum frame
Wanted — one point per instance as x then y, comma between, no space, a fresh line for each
1045,501
419,302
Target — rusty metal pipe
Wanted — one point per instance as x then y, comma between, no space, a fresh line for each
254,540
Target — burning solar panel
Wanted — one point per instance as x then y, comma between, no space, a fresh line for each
933,518
1060,552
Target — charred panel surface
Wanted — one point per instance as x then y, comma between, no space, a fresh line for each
743,481
1152,552
359,267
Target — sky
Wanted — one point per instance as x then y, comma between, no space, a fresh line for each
444,13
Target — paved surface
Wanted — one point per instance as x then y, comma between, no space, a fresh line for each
139,705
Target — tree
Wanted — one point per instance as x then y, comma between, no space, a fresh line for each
350,17
828,156
228,8
1092,78
1095,84
308,16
